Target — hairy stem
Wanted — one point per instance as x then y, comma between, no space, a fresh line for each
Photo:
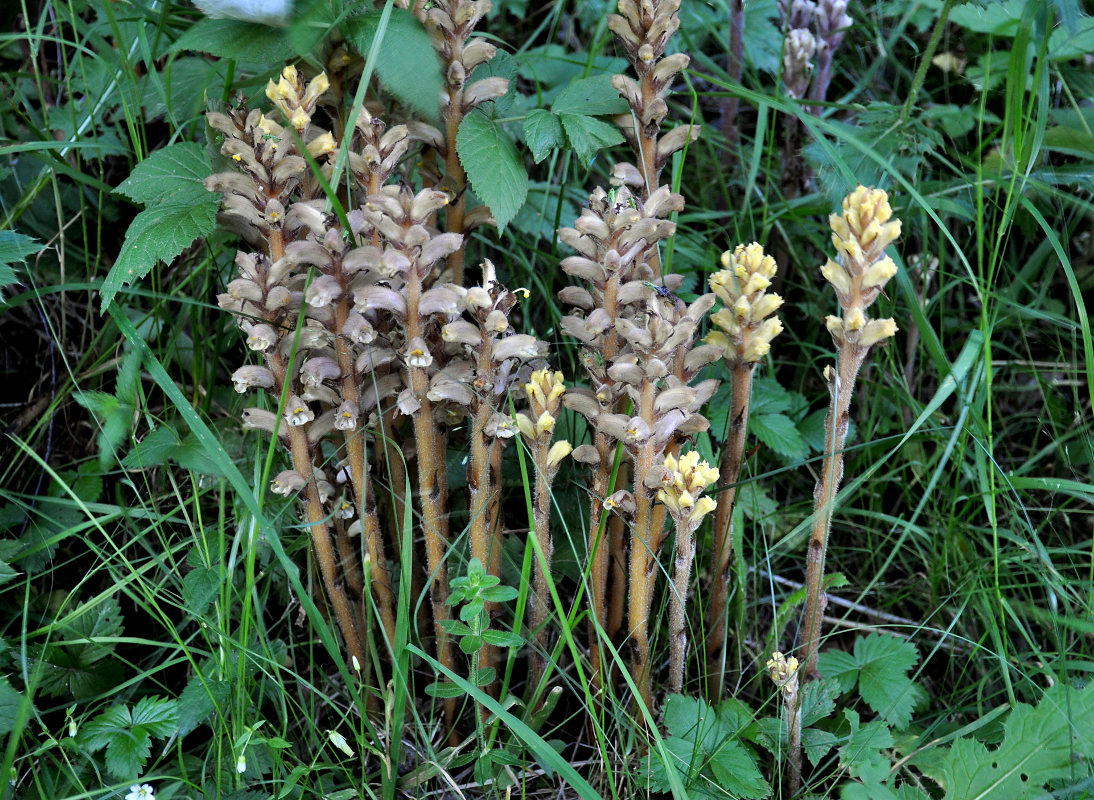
678,637
730,471
541,516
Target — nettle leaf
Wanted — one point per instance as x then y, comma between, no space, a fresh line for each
407,63
170,175
198,701
493,166
127,733
588,135
15,248
229,38
590,97
158,234
1041,744
779,433
11,701
542,133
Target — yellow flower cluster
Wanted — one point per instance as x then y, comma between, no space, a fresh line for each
545,390
295,101
686,479
860,236
747,322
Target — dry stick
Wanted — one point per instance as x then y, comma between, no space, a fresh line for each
432,488
730,469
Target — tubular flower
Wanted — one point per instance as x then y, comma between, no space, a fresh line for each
684,480
747,323
295,101
860,235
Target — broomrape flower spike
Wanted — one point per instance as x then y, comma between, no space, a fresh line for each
684,480
746,327
860,235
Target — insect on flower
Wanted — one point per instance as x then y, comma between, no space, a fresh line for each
662,291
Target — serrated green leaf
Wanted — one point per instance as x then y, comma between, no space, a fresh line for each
884,662
590,97
229,38
818,700
158,234
839,666
1041,744
15,248
779,433
588,135
542,133
736,771
688,717
10,703
769,397
493,166
172,174
199,700
153,450
407,64
200,586
156,715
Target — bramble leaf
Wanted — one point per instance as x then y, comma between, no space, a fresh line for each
173,174
542,133
159,233
493,166
589,135
407,63
779,433
590,97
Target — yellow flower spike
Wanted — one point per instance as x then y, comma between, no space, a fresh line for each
316,88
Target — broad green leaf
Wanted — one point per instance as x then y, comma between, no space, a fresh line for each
156,715
407,65
10,703
242,41
493,166
999,18
159,233
884,662
590,97
688,717
778,432
502,638
444,690
127,735
1041,745
200,586
588,135
172,174
153,450
542,133
736,771
770,397
199,700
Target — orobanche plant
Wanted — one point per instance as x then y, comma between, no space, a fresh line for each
379,355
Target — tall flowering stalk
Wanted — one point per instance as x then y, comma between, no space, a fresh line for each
545,390
746,325
683,481
784,673
860,236
450,24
